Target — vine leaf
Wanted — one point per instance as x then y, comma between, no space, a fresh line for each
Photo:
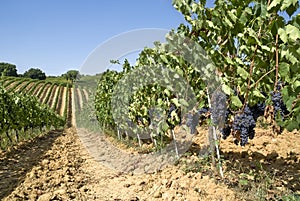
293,32
273,4
258,94
244,74
226,89
236,101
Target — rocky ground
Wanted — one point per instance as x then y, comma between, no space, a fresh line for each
56,166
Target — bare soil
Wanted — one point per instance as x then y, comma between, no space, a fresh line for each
56,166
62,102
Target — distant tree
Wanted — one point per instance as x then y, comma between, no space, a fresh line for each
35,73
71,75
7,69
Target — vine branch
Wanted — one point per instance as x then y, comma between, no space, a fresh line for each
262,77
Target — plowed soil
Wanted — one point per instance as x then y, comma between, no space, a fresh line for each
56,166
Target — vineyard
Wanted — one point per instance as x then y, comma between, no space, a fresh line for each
211,114
31,107
233,70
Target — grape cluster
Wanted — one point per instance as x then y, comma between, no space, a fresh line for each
278,104
202,111
258,110
225,131
279,85
279,107
244,124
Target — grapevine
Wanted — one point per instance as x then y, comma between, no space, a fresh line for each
253,50
22,112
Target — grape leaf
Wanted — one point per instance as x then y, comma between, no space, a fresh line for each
258,94
274,3
244,74
293,32
282,34
284,69
226,89
236,101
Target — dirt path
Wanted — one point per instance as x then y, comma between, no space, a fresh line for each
79,97
53,98
72,106
17,89
61,169
45,92
52,95
13,85
86,95
38,89
28,87
58,167
62,103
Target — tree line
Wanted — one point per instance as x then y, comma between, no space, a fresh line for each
7,69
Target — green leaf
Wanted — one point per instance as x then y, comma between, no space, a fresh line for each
296,84
227,21
210,23
167,92
243,182
236,101
160,101
258,94
282,34
175,101
173,113
287,3
289,102
273,4
264,47
285,94
289,56
293,32
293,124
229,60
239,61
226,89
241,71
284,69
164,58
263,9
232,15
183,102
165,126
253,34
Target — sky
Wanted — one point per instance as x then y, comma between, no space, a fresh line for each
57,35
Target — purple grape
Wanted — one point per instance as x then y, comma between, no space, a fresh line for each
244,123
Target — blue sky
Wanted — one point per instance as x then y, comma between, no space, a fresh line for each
58,35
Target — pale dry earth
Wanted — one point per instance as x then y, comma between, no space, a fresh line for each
57,166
